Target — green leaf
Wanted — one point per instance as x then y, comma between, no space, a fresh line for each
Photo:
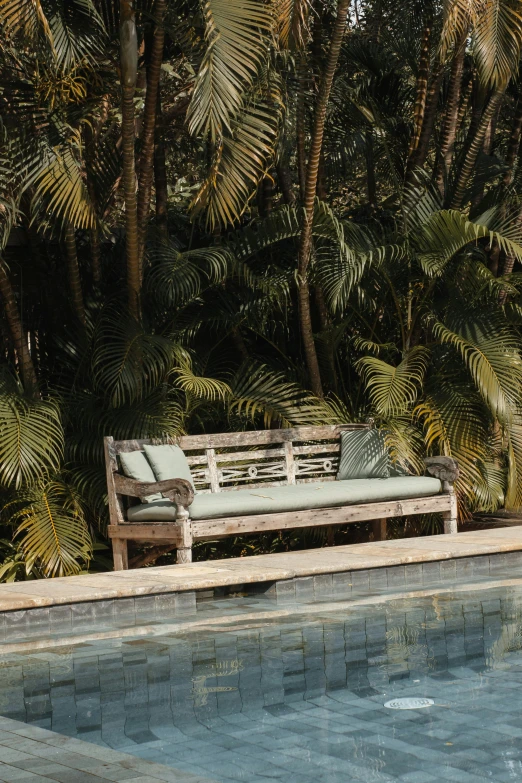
31,439
52,528
237,34
492,356
241,158
127,362
393,390
259,391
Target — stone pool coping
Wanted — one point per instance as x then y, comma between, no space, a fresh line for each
257,569
48,756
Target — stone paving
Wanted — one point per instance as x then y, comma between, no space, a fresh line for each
293,700
29,754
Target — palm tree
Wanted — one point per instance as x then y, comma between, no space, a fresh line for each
270,273
129,71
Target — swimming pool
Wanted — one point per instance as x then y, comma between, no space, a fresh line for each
299,696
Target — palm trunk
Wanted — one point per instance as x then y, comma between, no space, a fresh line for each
129,67
14,322
284,179
92,134
514,143
371,184
160,174
73,273
511,156
449,127
149,123
474,148
418,157
305,241
300,127
324,320
422,82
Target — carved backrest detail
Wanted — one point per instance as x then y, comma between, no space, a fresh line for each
227,461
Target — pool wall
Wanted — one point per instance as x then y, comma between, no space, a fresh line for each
128,612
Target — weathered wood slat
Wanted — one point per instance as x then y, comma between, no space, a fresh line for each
237,456
342,515
149,532
248,438
318,448
290,463
212,470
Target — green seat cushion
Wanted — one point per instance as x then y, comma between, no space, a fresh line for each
297,497
363,455
134,464
168,462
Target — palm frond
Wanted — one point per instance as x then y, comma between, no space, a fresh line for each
56,176
260,392
447,232
241,158
176,278
292,23
237,34
52,529
210,389
126,361
492,357
32,438
393,390
497,41
455,424
26,16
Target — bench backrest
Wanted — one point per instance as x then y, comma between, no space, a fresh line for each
227,461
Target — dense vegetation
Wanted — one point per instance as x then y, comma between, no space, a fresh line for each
220,214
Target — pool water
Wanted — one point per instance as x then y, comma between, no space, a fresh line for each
299,698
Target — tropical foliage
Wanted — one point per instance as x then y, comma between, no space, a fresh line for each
221,214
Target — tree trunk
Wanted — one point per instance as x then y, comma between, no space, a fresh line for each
92,134
474,148
422,81
300,126
419,155
129,67
149,123
284,179
160,174
305,241
324,320
371,184
514,143
449,126
73,273
14,321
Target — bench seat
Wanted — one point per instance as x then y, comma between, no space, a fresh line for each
293,497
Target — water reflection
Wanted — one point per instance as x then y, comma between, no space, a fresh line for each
301,700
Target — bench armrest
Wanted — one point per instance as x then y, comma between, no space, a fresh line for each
443,468
178,491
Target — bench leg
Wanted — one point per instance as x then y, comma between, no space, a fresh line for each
120,554
184,553
379,530
450,516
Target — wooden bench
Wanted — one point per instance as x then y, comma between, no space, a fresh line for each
255,460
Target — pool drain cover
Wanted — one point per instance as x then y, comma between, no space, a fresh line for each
408,704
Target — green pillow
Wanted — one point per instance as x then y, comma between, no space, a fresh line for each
168,462
363,455
135,466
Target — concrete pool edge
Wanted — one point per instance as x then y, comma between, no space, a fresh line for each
273,568
48,756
